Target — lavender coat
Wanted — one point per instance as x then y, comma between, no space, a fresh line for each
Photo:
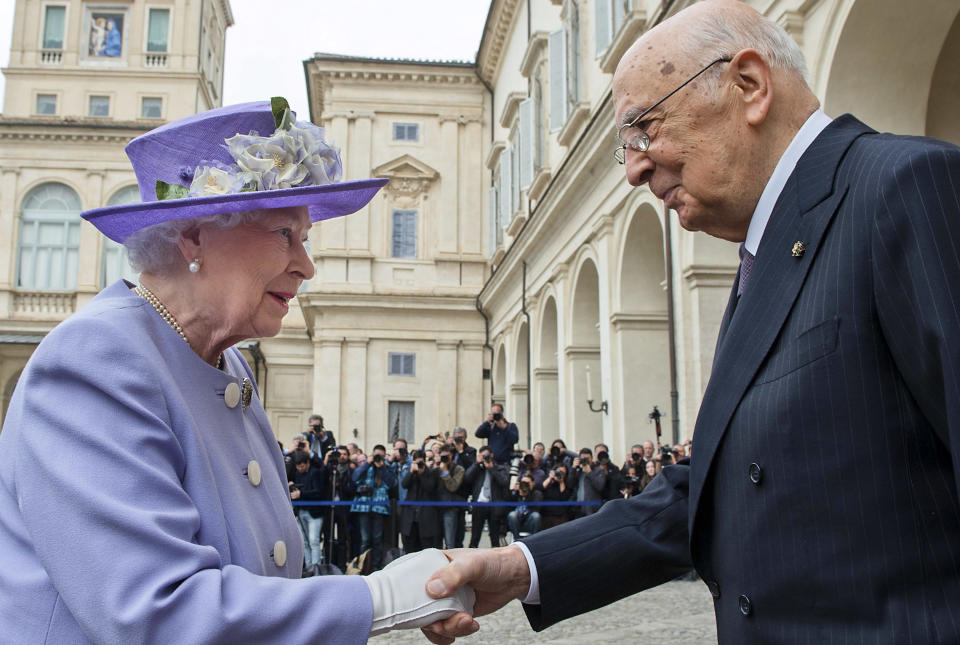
128,512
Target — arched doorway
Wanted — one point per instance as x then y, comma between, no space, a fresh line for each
640,333
893,72
546,399
583,358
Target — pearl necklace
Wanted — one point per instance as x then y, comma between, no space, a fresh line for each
159,307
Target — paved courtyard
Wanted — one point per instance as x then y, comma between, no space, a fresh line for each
679,613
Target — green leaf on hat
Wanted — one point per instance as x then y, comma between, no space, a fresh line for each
171,191
282,116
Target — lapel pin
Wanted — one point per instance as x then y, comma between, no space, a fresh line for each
798,249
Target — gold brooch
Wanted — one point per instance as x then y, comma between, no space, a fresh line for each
798,249
246,392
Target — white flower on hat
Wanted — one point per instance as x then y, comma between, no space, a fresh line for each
210,180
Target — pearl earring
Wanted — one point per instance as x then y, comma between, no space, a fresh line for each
194,266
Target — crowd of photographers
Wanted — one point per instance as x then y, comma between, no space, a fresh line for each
445,468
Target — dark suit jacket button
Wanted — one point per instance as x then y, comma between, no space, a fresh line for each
714,588
756,473
746,607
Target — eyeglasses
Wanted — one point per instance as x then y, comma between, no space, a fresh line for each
633,137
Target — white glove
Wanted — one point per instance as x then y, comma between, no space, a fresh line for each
400,599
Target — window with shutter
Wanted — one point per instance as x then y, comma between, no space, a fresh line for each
557,54
514,171
492,220
528,143
158,30
573,54
404,234
603,23
505,190
53,23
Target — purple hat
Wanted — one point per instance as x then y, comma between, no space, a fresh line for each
218,162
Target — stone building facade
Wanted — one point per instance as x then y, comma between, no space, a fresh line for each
83,79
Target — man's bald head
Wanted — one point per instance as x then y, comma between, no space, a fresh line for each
714,130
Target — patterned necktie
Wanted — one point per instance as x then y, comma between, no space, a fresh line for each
746,263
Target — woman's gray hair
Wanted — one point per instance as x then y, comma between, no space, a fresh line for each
727,33
154,249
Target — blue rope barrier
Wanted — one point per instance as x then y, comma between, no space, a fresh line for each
467,504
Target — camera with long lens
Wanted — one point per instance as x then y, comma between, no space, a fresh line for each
524,488
498,416
603,457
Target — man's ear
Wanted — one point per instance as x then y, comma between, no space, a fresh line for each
752,76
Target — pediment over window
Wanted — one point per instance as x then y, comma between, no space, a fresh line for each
407,175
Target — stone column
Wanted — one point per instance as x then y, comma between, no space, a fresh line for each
326,383
471,398
89,263
448,384
447,221
8,237
353,392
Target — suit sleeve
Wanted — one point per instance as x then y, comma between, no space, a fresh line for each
627,546
916,249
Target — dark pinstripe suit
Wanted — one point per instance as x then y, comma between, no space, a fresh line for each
821,504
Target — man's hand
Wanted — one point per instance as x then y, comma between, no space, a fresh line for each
295,493
497,577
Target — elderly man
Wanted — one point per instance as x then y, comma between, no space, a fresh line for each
821,504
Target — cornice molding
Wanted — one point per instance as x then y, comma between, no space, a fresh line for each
535,47
408,175
492,45
510,108
380,74
113,139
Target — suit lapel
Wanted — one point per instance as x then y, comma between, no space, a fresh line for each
803,212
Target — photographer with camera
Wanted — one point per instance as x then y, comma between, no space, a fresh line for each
371,503
525,518
588,481
636,458
451,483
308,485
488,482
530,466
501,435
611,489
631,482
420,525
555,489
320,439
340,489
558,455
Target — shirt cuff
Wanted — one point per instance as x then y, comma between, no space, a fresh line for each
533,593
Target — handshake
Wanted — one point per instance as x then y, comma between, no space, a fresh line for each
442,591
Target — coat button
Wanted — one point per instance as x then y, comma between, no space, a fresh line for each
714,588
253,472
756,473
746,607
231,396
279,553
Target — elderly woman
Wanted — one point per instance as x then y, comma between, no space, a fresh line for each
143,497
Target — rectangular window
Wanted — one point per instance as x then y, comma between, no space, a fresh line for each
158,30
151,107
406,132
401,364
99,106
404,242
53,22
400,417
46,103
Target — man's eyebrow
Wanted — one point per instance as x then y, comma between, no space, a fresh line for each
631,114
